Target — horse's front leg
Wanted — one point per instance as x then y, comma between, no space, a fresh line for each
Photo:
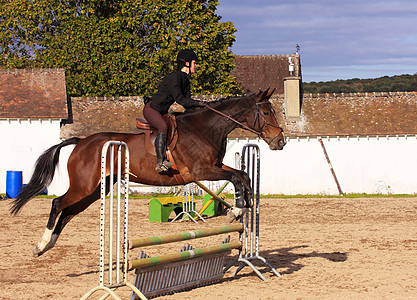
243,189
240,181
243,194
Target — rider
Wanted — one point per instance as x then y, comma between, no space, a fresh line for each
175,87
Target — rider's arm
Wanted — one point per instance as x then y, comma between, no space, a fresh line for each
176,86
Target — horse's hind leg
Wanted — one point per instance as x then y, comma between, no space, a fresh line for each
68,211
51,234
48,238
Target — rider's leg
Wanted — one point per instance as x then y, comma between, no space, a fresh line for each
156,120
162,164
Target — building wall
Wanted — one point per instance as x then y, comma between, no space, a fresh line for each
362,165
23,141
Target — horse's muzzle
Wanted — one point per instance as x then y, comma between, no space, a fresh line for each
279,145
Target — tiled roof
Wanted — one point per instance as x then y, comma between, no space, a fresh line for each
35,93
259,72
321,115
363,114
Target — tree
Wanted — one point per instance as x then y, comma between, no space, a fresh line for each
399,83
115,47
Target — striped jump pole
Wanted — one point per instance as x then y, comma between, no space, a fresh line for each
189,235
113,241
159,240
190,267
250,162
173,257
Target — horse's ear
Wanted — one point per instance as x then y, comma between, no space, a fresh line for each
261,95
270,93
264,95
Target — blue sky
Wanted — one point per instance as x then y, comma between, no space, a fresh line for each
338,39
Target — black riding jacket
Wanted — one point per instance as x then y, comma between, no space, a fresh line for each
175,87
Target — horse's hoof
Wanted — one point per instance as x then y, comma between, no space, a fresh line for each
234,214
36,251
230,216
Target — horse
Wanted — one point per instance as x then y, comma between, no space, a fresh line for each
198,155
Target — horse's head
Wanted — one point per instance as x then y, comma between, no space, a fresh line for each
252,113
265,122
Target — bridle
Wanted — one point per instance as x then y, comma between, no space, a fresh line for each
259,133
265,122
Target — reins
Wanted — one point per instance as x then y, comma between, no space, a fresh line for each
234,120
258,133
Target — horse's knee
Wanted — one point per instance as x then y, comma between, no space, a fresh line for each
239,199
244,197
239,192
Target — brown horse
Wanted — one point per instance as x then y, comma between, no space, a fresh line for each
199,152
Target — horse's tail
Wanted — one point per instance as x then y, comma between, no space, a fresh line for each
42,176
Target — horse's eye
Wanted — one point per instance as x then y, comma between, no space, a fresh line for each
266,113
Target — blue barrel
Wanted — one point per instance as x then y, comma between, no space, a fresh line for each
14,182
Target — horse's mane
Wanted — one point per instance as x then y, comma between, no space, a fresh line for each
214,104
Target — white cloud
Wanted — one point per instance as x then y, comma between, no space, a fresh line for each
330,33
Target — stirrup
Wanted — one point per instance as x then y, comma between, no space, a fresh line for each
163,166
167,164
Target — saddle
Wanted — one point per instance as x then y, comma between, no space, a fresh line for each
150,133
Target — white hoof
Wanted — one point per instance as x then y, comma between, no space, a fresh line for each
47,242
235,213
36,252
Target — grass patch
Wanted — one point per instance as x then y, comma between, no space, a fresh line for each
281,196
352,195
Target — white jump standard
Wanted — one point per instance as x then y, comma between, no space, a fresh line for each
121,246
250,236
172,272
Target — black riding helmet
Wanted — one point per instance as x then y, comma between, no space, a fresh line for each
186,55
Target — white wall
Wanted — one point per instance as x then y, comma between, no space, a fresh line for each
374,165
364,165
22,142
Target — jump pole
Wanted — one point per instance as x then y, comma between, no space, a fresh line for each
120,237
250,160
203,209
331,167
188,268
159,240
215,197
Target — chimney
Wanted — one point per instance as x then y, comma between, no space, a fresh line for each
292,97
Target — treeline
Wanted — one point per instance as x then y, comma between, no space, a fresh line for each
401,83
118,47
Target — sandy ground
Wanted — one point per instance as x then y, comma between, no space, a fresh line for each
324,248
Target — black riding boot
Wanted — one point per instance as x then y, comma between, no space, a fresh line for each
162,164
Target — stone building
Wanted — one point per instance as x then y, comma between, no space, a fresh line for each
370,138
33,105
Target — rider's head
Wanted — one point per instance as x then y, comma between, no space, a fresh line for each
185,58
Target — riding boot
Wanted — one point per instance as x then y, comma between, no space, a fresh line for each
162,164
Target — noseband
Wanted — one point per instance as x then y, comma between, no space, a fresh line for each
265,122
259,133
